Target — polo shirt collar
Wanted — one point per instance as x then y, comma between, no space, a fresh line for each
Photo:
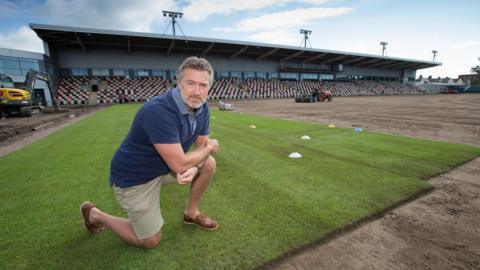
179,102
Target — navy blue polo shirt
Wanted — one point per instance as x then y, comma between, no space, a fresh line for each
166,120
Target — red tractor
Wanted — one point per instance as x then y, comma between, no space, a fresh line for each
319,96
325,95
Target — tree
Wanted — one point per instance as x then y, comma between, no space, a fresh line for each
476,80
476,69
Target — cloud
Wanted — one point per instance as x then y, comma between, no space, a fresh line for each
286,19
139,15
280,27
466,44
199,10
274,37
8,7
13,8
358,47
22,39
377,24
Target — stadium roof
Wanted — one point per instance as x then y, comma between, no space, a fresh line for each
88,38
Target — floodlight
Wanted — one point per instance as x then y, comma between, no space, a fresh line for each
384,46
174,15
305,33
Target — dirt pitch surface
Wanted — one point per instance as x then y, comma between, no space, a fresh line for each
440,230
16,132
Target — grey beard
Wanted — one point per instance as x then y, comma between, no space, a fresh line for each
188,105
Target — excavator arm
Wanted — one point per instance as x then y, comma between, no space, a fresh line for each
30,79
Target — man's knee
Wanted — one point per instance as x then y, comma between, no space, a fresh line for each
210,165
151,241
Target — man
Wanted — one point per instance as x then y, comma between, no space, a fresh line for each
155,151
315,95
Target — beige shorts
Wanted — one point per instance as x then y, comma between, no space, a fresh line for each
142,204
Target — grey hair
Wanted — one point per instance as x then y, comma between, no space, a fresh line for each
196,63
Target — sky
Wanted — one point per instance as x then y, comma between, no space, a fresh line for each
412,28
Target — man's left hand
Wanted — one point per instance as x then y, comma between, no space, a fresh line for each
187,176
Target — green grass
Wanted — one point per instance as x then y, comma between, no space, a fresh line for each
266,203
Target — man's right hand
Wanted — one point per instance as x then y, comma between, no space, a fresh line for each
213,145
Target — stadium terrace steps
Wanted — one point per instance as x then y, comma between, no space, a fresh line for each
73,90
108,90
77,90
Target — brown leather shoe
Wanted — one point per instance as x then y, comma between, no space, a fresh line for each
85,212
202,221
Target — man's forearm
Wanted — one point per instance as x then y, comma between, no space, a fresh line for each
197,157
179,161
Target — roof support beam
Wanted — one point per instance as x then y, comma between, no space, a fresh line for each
395,65
314,57
170,48
207,49
335,59
406,66
370,61
80,42
291,56
355,59
237,53
57,38
389,62
67,43
422,66
382,65
129,50
122,45
267,54
62,47
52,33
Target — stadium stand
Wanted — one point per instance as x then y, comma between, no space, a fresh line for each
108,90
73,91
223,89
263,88
129,67
77,90
123,90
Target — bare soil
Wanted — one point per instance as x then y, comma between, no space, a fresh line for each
440,230
16,132
452,118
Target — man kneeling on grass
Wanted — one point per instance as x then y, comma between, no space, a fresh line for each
155,152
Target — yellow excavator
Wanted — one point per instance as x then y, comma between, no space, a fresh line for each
15,101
